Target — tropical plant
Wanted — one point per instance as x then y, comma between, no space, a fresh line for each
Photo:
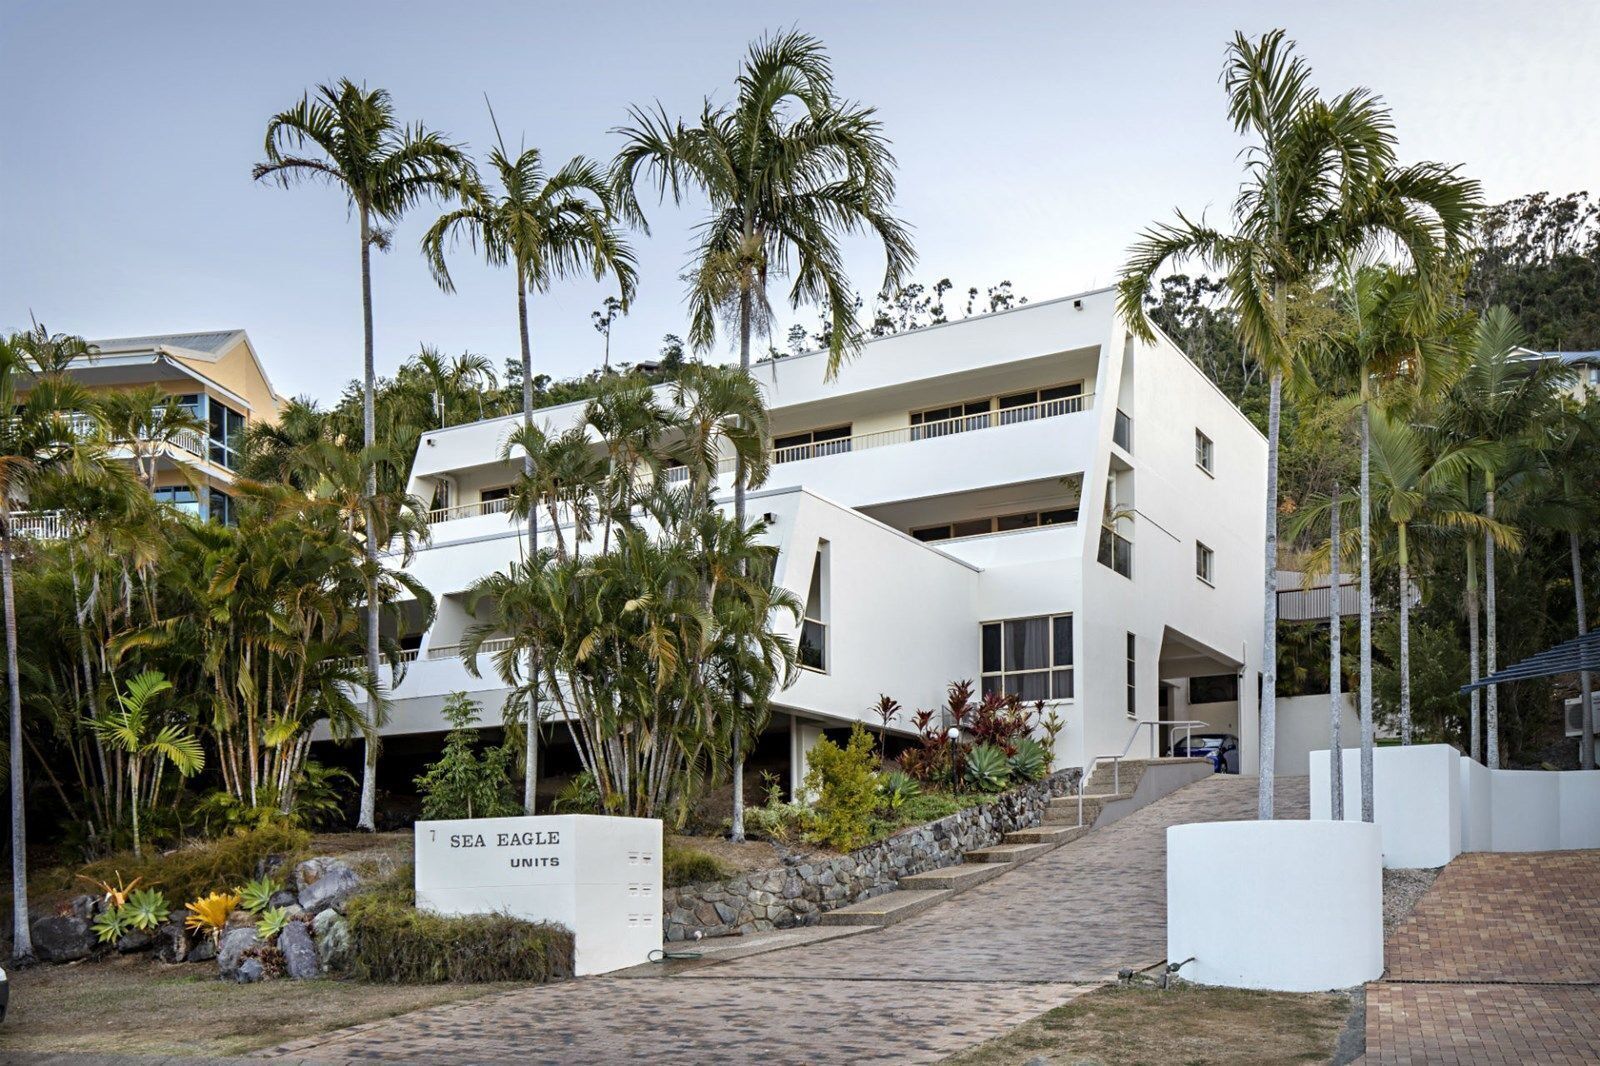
147,909
788,170
384,169
548,228
886,710
135,728
272,922
844,790
146,423
256,896
1029,761
465,782
209,914
1322,186
896,788
111,925
987,768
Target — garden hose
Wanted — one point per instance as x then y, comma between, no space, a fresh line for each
662,955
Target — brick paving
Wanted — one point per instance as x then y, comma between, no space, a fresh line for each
1498,963
962,973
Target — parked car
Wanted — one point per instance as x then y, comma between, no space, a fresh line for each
1221,748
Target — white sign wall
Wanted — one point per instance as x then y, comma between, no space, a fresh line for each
598,876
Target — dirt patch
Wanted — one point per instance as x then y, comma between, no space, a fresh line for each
1141,1023
1401,891
372,855
743,858
132,1006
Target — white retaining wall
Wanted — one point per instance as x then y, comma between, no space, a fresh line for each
1292,906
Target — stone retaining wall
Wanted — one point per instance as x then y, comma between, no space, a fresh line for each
797,892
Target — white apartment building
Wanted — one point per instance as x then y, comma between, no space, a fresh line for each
1034,500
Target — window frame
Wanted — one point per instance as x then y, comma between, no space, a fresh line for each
994,521
817,618
1054,670
1205,563
1133,676
1205,453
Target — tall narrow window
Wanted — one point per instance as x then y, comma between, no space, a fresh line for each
813,650
1133,706
1028,657
1202,451
227,435
1204,559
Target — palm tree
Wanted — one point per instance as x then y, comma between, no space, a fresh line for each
1391,335
384,169
36,441
134,728
1501,397
788,170
148,422
549,228
1321,186
1574,508
464,376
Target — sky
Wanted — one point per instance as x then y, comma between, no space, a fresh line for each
1034,141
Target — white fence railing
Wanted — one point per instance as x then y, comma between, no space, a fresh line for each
40,525
453,651
188,440
470,510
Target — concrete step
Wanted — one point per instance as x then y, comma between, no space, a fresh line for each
887,909
1008,853
955,878
1047,834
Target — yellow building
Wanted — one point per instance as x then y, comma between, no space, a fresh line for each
216,375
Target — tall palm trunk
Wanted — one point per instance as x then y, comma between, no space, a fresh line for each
1405,637
1476,742
1268,736
1366,610
1491,721
1335,664
530,768
736,743
1586,704
21,933
369,432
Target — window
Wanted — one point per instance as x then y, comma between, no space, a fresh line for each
179,497
813,650
227,435
1133,706
1202,451
943,421
1203,560
1041,403
811,444
1116,551
1122,431
1028,657
1002,524
1214,688
220,508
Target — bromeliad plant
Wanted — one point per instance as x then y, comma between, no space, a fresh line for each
256,896
273,922
209,914
142,911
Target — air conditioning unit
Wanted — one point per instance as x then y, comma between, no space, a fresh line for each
1575,716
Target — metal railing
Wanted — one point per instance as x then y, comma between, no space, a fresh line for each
1187,724
41,525
470,510
188,440
453,651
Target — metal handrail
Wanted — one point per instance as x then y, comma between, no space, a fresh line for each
1188,725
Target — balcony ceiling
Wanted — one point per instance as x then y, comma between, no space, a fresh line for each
1000,499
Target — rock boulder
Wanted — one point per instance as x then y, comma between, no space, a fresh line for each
62,938
299,953
230,952
323,882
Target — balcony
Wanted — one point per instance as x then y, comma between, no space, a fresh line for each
470,510
189,441
41,525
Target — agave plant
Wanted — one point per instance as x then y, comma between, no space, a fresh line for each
987,768
1030,761
272,923
210,913
895,788
112,924
147,909
256,896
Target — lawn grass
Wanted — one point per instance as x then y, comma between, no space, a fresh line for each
133,1006
1141,1023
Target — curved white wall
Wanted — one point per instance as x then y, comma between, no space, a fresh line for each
1416,800
1287,905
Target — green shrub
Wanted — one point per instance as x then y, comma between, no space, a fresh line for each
1030,761
987,769
846,791
204,866
394,943
578,796
464,782
687,866
778,821
256,896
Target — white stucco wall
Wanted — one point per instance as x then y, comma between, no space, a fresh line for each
1416,800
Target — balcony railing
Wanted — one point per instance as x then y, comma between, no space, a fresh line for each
470,510
188,440
453,651
41,525
1008,416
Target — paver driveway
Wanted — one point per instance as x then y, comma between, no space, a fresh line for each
1499,963
947,979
